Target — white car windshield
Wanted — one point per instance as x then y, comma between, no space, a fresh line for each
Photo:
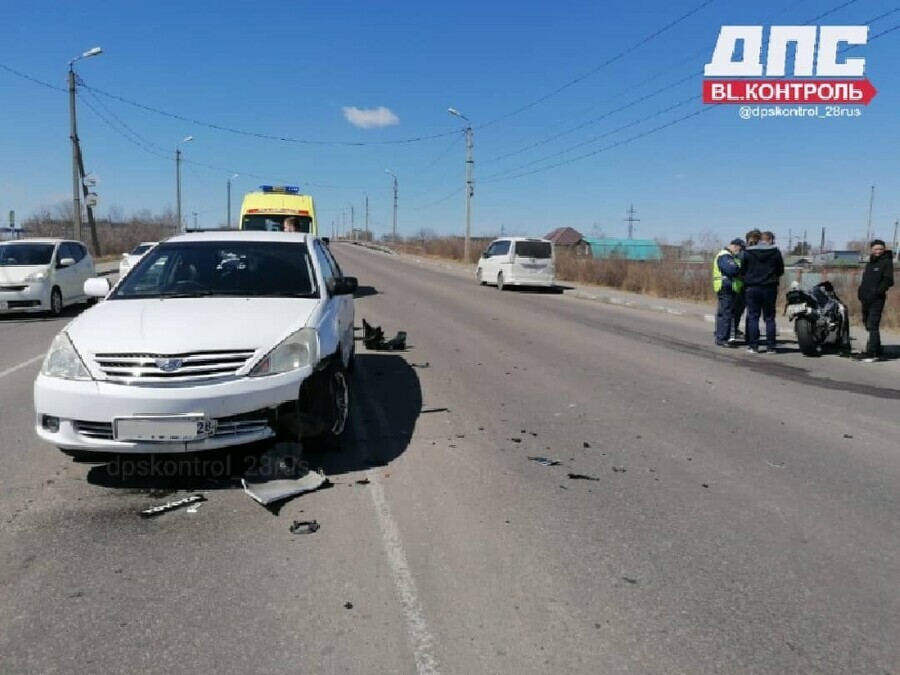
249,269
25,254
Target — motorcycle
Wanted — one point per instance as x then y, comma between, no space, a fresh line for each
820,318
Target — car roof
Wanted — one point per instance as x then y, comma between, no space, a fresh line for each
242,235
40,240
523,239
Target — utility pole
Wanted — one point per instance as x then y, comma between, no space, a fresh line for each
367,217
804,246
95,240
76,178
869,224
195,220
822,243
352,223
896,225
394,231
228,221
631,220
470,189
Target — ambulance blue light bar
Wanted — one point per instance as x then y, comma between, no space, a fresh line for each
283,189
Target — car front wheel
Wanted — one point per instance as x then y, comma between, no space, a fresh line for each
334,391
56,302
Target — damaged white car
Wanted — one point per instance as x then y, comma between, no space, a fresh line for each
213,339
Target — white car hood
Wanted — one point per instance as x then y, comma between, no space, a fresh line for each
15,274
183,325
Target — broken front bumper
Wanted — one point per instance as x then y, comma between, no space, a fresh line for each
77,415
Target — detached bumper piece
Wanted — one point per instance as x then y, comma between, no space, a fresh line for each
373,339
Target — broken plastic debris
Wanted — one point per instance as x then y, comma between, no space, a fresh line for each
169,506
304,526
270,491
581,476
432,410
373,338
585,445
543,461
363,481
619,469
348,605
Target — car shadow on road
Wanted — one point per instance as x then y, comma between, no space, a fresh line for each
365,291
386,402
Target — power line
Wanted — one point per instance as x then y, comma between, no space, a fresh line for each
32,79
603,65
125,126
439,201
284,139
595,138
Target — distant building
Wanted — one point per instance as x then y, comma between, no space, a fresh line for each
569,239
628,249
837,259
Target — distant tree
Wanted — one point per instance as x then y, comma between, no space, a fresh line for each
709,242
801,248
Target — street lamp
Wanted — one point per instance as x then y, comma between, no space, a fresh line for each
228,221
470,190
179,226
73,132
391,173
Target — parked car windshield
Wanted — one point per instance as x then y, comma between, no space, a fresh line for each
140,249
273,223
25,254
533,249
250,269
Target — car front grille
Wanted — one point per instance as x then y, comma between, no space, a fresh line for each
95,430
141,368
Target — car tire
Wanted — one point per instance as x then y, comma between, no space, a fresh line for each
56,301
335,411
500,285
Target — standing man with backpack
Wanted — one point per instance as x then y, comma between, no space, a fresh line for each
877,278
764,269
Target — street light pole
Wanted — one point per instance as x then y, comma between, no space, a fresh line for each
470,188
73,134
367,216
394,235
179,226
228,221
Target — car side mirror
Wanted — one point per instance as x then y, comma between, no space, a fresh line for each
344,286
96,287
66,262
124,255
326,240
484,255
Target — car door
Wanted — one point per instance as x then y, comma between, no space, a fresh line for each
489,267
498,257
66,277
345,306
330,330
84,268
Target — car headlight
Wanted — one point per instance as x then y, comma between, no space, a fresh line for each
296,351
34,277
63,361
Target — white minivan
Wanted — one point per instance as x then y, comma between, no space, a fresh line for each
517,261
43,275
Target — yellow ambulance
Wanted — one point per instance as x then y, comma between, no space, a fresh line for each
267,208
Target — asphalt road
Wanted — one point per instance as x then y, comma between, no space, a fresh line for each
740,516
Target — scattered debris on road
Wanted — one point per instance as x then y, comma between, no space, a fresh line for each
281,474
421,365
629,580
363,481
373,338
777,465
581,476
170,506
706,485
543,461
434,410
348,605
304,526
619,469
585,445
848,435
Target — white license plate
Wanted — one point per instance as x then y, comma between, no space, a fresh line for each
4,305
163,429
796,309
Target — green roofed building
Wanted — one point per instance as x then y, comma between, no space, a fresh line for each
628,249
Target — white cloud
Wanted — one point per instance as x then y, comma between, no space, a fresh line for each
371,118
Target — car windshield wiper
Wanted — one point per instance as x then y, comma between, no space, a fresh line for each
287,294
184,294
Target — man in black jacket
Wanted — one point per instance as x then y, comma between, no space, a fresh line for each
877,278
764,267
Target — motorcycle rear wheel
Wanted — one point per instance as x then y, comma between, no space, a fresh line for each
806,337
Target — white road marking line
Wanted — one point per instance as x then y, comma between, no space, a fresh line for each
418,630
24,364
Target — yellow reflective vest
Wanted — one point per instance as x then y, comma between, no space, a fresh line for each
737,285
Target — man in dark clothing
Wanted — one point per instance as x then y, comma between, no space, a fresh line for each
877,278
764,268
740,297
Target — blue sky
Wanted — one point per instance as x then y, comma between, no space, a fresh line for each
290,69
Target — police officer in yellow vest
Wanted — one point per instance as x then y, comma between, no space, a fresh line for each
726,270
